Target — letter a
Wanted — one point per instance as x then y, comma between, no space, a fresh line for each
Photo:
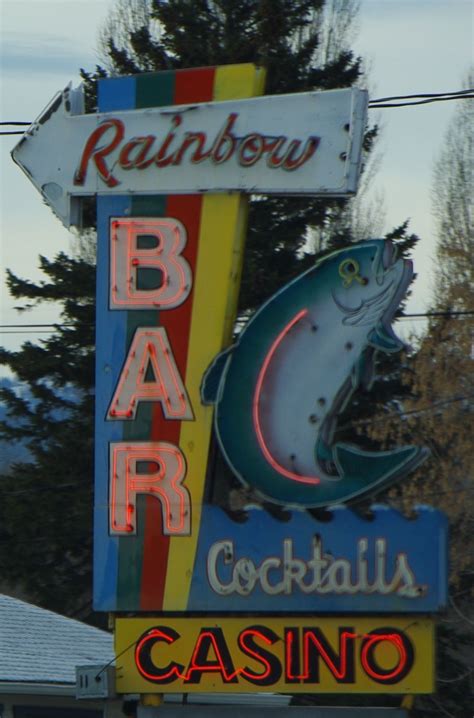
134,262
152,468
150,374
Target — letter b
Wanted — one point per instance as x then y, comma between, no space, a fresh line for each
133,260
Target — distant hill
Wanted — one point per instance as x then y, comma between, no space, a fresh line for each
11,452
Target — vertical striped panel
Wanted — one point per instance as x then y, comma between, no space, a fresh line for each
151,571
111,333
216,286
132,547
187,86
111,340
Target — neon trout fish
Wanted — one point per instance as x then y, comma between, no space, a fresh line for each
278,391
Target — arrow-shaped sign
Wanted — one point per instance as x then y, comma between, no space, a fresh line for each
241,145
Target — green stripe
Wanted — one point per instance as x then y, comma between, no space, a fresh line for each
152,90
132,547
155,89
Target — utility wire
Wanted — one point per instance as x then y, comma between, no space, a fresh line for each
422,98
58,325
431,94
381,102
439,706
399,415
460,613
458,678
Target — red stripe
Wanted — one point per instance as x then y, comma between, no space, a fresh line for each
195,85
177,323
190,86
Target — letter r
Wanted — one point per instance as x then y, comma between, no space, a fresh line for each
131,255
152,468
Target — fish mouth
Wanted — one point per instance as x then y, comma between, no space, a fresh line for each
389,255
364,312
383,304
385,260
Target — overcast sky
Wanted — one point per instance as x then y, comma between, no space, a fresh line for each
412,46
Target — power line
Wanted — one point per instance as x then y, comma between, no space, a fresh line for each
469,312
381,102
431,94
439,706
426,98
460,613
59,325
399,415
38,326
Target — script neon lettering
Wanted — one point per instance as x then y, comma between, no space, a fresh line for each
97,154
140,161
322,574
178,144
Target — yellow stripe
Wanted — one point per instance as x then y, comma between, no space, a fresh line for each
216,288
233,82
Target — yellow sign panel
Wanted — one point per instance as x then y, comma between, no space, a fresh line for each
288,655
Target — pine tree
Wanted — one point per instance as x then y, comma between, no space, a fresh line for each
438,411
50,496
284,37
46,498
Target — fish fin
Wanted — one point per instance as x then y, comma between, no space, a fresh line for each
377,468
363,371
384,338
211,378
324,457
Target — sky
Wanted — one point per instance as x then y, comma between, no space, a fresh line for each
411,46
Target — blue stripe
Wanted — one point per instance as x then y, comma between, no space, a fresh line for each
111,330
111,327
116,93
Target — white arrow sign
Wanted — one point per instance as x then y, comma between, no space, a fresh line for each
304,144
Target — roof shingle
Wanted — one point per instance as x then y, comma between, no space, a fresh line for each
39,646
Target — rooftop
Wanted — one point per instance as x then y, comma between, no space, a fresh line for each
39,646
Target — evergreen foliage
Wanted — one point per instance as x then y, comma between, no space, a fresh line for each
283,36
439,408
46,503
46,498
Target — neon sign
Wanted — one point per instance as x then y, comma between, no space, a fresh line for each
279,390
151,355
142,152
322,574
287,655
172,272
210,136
149,374
164,480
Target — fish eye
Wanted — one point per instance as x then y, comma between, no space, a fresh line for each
349,270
